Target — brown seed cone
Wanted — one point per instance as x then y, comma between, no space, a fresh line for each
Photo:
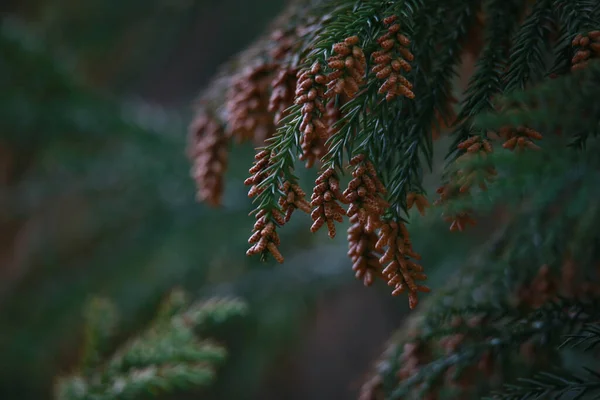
586,47
362,252
349,65
418,200
207,149
262,161
310,91
400,271
247,104
365,193
312,151
391,60
284,42
293,199
282,95
519,138
459,221
467,176
264,236
324,201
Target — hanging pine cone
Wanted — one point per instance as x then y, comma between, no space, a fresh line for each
400,271
282,95
310,93
248,104
587,47
391,60
293,199
362,252
519,138
349,65
207,149
264,237
284,41
419,200
258,172
325,198
365,193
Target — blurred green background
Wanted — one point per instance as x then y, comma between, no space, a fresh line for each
96,199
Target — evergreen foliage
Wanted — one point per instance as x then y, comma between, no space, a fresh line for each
167,356
375,84
369,93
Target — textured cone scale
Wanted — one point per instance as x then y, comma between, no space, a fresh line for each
586,47
365,193
282,95
349,65
325,202
362,252
247,104
310,93
207,149
400,271
418,200
520,138
391,61
293,199
264,238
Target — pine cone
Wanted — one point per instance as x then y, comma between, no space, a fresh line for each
325,198
293,199
587,47
349,65
208,152
282,95
248,104
391,60
400,271
265,237
310,92
362,252
365,193
519,138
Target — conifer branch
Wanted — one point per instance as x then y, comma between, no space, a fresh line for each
547,107
168,356
574,17
588,337
487,80
559,384
508,334
433,77
527,60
